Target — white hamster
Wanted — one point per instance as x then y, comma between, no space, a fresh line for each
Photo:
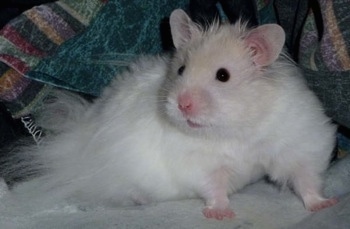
226,109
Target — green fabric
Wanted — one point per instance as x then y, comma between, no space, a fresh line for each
121,30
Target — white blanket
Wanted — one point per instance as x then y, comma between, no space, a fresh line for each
260,205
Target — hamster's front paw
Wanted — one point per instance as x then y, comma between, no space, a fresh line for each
218,213
321,204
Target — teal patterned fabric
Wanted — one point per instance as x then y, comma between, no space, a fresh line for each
31,37
121,30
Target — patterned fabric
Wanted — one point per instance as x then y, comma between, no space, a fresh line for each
324,54
59,44
331,52
32,37
122,30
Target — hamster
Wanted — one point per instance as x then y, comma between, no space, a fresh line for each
227,108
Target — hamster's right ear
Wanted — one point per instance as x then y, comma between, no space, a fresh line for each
183,29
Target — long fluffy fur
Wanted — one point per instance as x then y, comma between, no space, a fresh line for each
132,145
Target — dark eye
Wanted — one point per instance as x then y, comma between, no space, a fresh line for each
222,75
181,70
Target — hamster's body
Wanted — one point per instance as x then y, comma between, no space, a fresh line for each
204,123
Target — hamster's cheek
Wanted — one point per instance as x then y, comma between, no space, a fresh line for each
171,110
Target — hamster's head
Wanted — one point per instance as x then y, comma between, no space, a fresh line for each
212,82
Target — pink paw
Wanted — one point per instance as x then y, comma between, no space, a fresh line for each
218,214
322,204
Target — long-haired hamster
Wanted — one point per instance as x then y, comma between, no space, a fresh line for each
227,108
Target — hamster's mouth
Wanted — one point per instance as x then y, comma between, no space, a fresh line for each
193,124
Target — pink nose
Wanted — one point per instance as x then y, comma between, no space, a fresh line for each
185,107
186,104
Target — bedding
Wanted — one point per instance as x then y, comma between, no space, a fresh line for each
260,205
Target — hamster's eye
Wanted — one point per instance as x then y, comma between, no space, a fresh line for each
222,75
181,70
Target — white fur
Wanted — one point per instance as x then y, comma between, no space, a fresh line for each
133,144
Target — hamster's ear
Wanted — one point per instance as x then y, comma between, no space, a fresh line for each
265,43
182,28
